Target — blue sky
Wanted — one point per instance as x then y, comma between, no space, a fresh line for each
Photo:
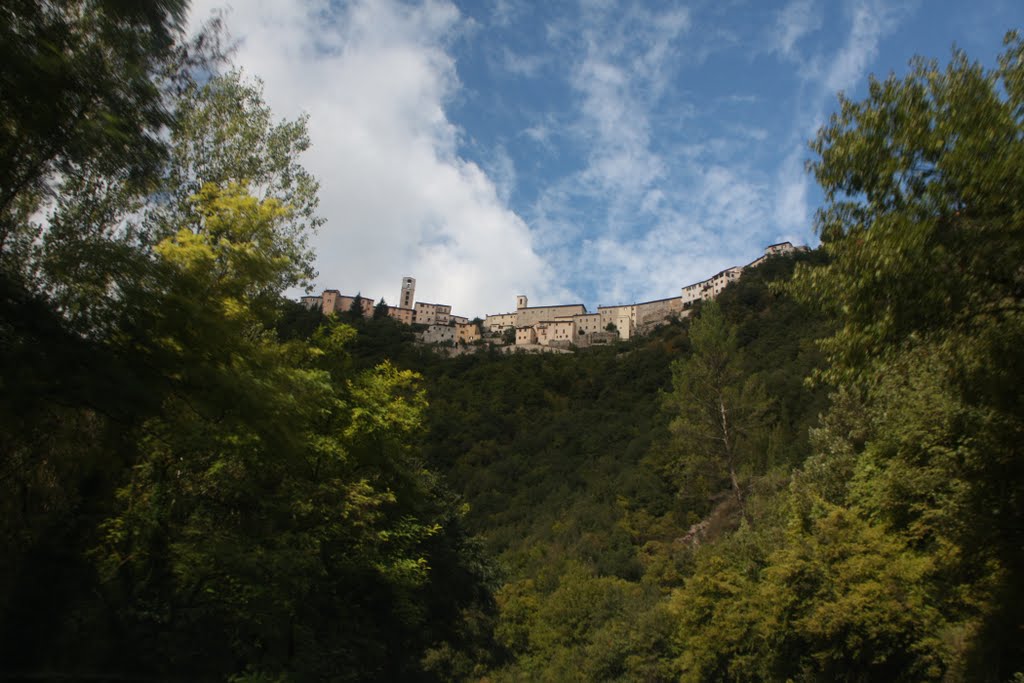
595,151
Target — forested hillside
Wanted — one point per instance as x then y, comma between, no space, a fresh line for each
817,476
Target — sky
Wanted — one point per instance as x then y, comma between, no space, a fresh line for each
575,151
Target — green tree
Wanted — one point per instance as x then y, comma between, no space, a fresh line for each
355,311
276,513
833,598
86,99
380,311
923,214
716,411
198,492
86,93
224,133
923,228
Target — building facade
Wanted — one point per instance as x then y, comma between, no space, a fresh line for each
432,314
407,295
402,315
561,325
437,334
466,332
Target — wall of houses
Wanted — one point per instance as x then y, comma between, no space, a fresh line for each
437,334
467,332
402,315
622,317
312,301
432,314
588,323
654,312
344,304
330,301
533,315
554,332
561,325
526,335
499,322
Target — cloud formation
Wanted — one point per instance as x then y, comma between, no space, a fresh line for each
604,151
795,20
375,77
871,21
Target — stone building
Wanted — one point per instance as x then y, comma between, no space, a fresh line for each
556,332
432,314
402,315
437,334
526,335
344,304
312,301
333,301
622,318
499,322
710,288
407,295
588,323
466,332
651,314
527,315
329,301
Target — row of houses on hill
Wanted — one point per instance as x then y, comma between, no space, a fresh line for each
558,326
572,325
441,325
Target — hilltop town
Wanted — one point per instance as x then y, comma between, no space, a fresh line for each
539,328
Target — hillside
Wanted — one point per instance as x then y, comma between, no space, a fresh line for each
818,476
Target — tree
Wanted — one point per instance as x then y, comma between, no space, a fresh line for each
715,410
355,311
183,477
924,228
380,311
273,473
225,132
86,100
924,208
85,91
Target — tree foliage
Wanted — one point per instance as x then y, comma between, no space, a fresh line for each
923,215
923,229
199,479
195,485
716,411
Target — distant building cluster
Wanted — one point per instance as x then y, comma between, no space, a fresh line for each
440,326
571,325
562,326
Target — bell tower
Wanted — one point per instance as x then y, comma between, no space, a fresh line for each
408,296
521,301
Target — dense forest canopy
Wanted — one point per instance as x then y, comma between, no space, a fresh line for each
815,477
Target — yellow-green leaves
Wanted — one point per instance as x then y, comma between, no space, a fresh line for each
232,253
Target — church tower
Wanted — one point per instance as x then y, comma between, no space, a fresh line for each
408,296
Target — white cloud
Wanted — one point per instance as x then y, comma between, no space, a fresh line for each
375,77
506,12
522,65
667,215
871,21
797,19
792,214
538,133
625,68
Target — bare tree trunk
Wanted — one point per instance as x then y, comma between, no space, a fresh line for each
729,455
